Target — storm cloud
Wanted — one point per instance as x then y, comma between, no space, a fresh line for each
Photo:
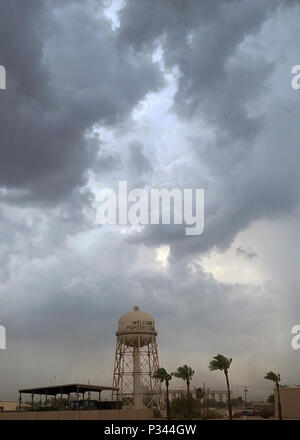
163,94
65,73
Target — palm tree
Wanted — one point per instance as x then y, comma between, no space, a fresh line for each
276,379
222,363
185,373
163,376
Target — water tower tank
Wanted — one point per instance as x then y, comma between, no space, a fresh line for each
136,327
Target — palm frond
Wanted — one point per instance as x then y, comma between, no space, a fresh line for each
220,362
273,376
185,372
162,375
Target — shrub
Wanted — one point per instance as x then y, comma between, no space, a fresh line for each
210,414
185,407
266,413
236,415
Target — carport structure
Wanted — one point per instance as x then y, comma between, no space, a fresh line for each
62,390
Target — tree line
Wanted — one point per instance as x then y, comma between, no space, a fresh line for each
220,363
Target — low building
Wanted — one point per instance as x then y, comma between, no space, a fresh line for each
262,407
217,394
290,402
78,391
11,405
8,405
69,402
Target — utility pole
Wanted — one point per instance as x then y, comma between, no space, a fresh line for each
245,389
204,398
89,393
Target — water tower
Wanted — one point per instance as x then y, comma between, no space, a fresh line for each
136,361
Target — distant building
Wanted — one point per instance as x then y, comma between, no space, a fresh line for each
290,402
219,395
263,406
11,405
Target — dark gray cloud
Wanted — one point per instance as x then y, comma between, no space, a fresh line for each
227,81
65,73
202,39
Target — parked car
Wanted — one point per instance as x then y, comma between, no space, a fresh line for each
247,412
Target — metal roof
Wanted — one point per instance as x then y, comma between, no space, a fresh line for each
52,390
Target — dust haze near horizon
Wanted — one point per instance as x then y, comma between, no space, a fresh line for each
163,94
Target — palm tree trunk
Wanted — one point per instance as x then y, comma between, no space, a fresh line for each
188,386
168,401
229,398
279,402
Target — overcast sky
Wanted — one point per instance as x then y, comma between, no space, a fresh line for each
163,94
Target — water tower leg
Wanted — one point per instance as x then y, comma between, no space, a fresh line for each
118,370
137,392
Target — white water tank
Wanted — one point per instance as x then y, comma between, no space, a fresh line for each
136,327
